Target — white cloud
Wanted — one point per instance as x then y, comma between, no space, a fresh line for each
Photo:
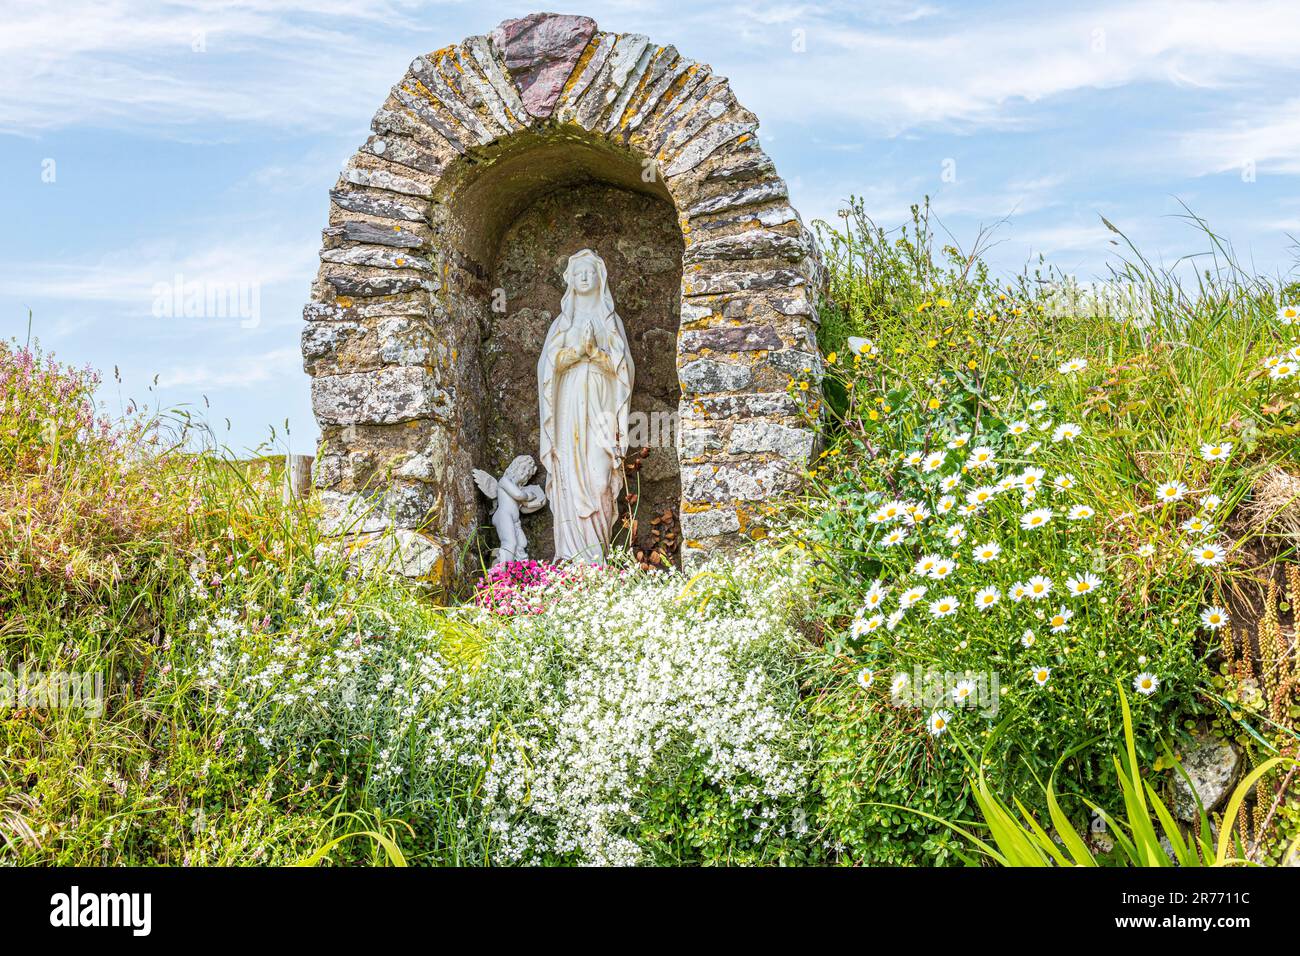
1267,136
239,371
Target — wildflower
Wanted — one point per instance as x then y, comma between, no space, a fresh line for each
1146,683
946,504
858,629
1029,478
1073,365
1214,617
1018,428
1197,525
1218,451
950,482
1283,369
980,496
1083,584
982,457
1063,482
1032,447
1060,621
875,594
942,568
915,513
897,536
1038,587
1171,491
913,459
932,462
899,684
1038,405
1210,502
1037,518
1066,431
960,441
866,677
938,723
944,606
1027,639
1288,315
911,596
1146,550
985,598
895,618
1019,591
1081,513
984,553
962,692
956,534
925,564
1208,555
1041,675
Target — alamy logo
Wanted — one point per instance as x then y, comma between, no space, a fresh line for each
134,910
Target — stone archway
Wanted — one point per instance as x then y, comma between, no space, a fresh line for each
445,229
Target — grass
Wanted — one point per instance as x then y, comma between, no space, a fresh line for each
264,704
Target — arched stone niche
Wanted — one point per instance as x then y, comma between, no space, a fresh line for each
489,164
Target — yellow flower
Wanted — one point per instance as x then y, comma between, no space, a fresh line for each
830,359
933,404
874,415
945,302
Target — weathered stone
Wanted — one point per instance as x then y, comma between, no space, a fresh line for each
795,362
383,179
706,375
540,51
749,196
705,144
355,201
381,397
403,552
755,164
731,338
377,285
398,236
380,257
754,244
404,341
793,444
733,482
708,524
697,442
744,281
1212,764
748,405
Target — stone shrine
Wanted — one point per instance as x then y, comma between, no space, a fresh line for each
443,266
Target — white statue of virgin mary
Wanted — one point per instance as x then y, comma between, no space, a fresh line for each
584,385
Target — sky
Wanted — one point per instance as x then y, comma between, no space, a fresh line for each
146,145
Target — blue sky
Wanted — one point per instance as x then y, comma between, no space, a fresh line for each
141,141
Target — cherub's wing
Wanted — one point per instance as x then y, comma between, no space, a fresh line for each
486,483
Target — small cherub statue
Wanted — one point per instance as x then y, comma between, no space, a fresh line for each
513,498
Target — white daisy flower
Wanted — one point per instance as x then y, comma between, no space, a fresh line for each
1283,369
1208,555
1197,525
1171,491
962,692
1018,427
1146,550
1063,482
1066,431
1214,617
866,677
1083,584
1146,683
1216,451
932,462
1038,405
950,482
858,629
944,606
1081,513
960,441
1019,591
1060,621
1032,447
985,598
1038,518
895,537
984,553
1210,502
1038,587
925,564
913,459
895,618
1073,365
1027,639
982,495
982,457
942,568
911,596
1030,478
956,534
899,684
938,722
1288,315
1041,675
945,504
